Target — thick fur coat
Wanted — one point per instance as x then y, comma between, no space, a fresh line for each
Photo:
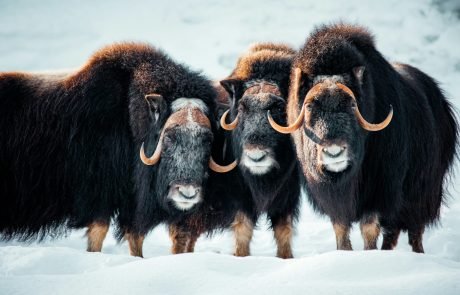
69,153
398,173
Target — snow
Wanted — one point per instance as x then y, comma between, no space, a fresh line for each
209,35
209,273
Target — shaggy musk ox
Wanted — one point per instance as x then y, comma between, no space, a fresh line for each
266,180
392,171
69,154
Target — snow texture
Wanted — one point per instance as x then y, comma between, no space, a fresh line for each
209,35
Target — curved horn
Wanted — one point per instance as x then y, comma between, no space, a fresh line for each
226,126
156,155
298,122
221,169
312,93
366,125
289,129
374,127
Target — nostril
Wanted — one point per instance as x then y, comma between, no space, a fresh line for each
187,191
334,150
256,155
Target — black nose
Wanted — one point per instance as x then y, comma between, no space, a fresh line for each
256,155
333,150
188,191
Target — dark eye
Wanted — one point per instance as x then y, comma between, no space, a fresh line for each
168,140
242,106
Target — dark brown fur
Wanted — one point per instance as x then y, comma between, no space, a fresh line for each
69,155
237,199
397,173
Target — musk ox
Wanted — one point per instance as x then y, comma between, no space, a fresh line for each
69,154
266,180
392,171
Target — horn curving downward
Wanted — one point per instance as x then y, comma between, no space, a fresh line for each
226,126
298,122
156,155
221,169
365,124
289,129
374,127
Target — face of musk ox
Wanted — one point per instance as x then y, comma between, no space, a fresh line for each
332,143
183,155
254,141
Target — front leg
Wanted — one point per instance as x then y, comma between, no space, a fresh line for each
179,238
390,237
283,231
243,229
135,242
370,231
342,236
416,239
96,234
191,243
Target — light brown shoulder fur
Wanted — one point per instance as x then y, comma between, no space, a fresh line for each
260,53
279,47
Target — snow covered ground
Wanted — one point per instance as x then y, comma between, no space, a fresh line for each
209,35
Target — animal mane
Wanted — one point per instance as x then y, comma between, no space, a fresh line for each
265,61
328,44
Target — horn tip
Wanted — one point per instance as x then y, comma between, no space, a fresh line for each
224,125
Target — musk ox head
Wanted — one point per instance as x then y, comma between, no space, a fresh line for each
259,82
254,142
329,130
183,153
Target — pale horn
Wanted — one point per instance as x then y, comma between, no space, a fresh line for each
221,169
288,129
298,122
365,124
156,155
226,126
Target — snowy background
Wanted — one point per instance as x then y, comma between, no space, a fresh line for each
209,35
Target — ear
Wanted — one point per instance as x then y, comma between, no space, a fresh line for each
358,72
156,104
234,87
